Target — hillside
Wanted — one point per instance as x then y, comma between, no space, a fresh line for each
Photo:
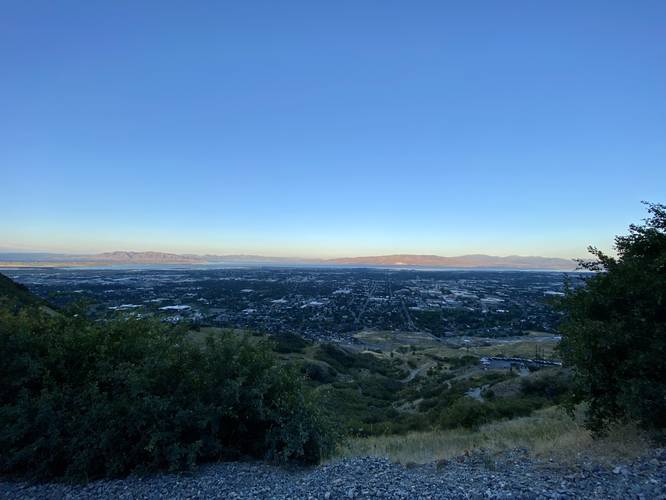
545,454
15,294
463,261
146,258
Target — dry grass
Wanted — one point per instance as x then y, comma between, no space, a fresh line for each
391,340
424,342
548,433
519,348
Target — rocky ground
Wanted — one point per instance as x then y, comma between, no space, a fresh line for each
509,475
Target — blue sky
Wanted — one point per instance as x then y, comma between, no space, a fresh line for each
330,128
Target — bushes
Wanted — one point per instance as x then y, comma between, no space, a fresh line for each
357,413
286,343
614,331
81,401
319,373
343,361
462,361
470,413
465,412
339,359
550,386
14,295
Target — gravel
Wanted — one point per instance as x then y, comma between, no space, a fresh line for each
512,474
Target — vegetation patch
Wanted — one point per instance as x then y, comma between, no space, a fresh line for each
614,333
81,400
286,343
547,433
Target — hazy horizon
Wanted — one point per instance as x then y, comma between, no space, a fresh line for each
310,130
6,251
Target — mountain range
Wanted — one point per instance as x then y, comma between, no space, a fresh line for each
474,261
462,261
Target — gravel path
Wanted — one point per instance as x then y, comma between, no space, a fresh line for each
509,475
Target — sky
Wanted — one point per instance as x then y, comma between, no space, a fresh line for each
326,129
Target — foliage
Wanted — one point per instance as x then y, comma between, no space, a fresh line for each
81,400
287,343
614,333
362,406
553,386
319,373
343,361
470,413
14,295
462,361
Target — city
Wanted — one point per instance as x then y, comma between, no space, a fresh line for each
322,304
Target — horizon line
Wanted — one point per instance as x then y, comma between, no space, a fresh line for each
269,255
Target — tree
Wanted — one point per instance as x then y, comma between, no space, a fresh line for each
614,332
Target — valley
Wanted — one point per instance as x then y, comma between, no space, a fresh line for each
386,351
322,304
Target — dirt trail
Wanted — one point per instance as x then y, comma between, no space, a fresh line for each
414,372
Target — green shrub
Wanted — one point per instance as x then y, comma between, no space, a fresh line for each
463,361
614,330
508,408
488,394
549,386
80,401
340,359
466,412
318,373
286,343
378,387
14,295
354,412
343,361
470,413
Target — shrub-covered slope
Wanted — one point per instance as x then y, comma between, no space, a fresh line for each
14,294
82,400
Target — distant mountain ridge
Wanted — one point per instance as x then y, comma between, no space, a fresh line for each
463,261
146,258
473,261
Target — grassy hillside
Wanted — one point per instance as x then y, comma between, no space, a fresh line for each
547,433
412,398
390,385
